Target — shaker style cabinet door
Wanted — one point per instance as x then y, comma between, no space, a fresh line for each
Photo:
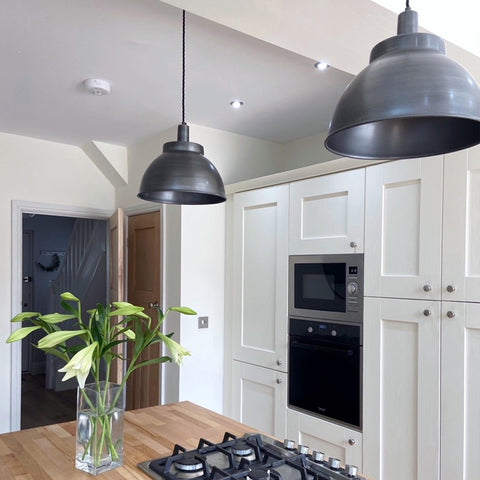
260,271
333,440
403,229
460,415
461,230
401,382
260,398
326,214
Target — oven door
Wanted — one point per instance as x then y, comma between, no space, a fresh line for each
325,365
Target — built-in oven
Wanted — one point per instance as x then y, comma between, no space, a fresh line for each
327,287
325,369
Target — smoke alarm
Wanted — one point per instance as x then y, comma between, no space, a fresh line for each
97,86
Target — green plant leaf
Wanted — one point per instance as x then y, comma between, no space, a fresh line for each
127,310
24,316
53,339
184,310
110,345
69,308
69,296
129,334
122,304
152,362
56,317
21,333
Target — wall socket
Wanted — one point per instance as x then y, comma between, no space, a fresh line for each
202,322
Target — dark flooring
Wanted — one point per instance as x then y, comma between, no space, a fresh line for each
44,407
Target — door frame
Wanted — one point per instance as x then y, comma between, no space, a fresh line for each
18,209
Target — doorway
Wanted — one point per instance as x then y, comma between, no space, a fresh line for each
53,250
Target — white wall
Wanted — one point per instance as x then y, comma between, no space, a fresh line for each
38,171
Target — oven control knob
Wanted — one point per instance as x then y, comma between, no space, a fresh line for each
334,463
303,449
352,288
351,470
318,457
288,444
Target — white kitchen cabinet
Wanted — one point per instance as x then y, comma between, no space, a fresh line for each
460,394
401,411
260,271
260,398
403,229
326,214
331,439
461,231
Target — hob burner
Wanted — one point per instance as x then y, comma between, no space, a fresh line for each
258,474
189,462
241,448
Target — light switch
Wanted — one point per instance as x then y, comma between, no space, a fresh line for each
202,322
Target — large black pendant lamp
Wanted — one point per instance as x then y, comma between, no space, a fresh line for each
181,174
411,101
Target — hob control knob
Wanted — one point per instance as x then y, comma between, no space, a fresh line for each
334,463
352,288
288,444
351,470
318,456
303,449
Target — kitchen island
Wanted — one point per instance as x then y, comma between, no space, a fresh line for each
48,453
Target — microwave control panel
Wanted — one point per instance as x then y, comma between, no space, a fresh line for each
353,289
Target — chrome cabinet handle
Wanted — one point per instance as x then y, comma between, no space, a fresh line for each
279,381
450,314
427,312
352,441
353,244
151,304
427,288
279,362
451,288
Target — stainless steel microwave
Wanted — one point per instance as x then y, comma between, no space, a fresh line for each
328,287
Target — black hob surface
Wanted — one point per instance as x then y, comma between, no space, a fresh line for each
250,457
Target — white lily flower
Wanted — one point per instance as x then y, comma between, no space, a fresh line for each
79,365
176,350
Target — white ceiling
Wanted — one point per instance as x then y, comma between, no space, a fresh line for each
48,47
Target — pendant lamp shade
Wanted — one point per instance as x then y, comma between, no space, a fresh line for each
410,101
181,174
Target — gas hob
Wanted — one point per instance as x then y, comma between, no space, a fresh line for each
250,457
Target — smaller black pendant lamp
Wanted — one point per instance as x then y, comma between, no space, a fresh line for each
410,101
181,174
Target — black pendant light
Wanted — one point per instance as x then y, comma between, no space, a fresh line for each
410,101
181,174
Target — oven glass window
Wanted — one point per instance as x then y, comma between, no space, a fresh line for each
320,286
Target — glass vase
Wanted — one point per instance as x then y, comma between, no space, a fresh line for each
100,411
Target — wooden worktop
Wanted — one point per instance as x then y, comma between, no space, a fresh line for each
48,453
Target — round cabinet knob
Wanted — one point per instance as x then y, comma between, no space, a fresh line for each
279,381
318,457
352,288
288,444
451,288
427,288
353,244
279,362
153,304
351,470
303,449
450,314
427,312
352,441
334,463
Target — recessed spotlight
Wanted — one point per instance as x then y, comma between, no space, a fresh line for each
236,104
97,86
321,66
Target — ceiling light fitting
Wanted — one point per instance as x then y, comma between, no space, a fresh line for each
236,104
410,101
97,86
181,174
321,66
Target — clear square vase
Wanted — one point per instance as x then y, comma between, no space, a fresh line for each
100,412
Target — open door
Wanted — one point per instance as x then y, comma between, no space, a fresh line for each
143,386
117,276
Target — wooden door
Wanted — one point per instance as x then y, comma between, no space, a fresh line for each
460,416
260,398
143,386
403,229
333,440
461,231
260,270
401,384
326,214
117,277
